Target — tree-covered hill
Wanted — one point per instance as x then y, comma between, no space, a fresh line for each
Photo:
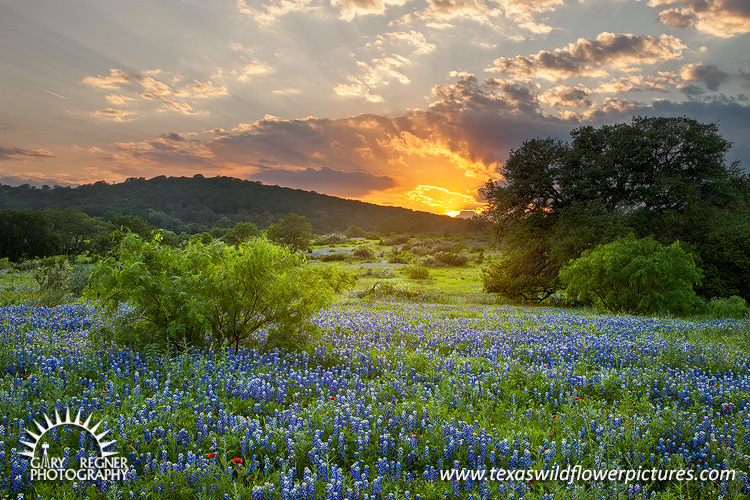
196,204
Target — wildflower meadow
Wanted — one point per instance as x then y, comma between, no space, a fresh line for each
393,394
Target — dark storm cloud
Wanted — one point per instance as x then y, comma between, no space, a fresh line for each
708,74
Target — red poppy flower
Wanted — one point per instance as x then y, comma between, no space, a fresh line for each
551,435
237,461
251,479
333,398
554,416
578,397
211,455
726,407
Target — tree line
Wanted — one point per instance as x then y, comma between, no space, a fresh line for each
198,204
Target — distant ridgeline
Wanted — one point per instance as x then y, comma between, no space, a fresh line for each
198,204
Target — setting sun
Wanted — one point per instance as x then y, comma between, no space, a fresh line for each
414,104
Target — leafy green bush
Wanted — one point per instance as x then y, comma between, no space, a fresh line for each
399,256
398,291
180,295
78,280
452,258
26,265
480,257
429,246
5,264
632,275
160,283
52,277
293,231
733,307
417,273
333,257
363,253
377,273
355,232
396,240
240,232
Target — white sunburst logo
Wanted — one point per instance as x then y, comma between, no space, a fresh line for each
106,466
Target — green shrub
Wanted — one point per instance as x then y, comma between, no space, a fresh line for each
180,295
733,307
330,239
363,253
396,240
480,257
632,275
78,280
26,265
332,257
377,273
293,231
52,277
445,259
397,291
429,246
418,273
355,232
399,256
5,264
452,258
239,233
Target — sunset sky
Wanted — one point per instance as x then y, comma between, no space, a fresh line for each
400,102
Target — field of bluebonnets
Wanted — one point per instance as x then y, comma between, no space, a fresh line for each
395,393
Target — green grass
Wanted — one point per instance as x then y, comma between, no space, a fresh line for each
14,278
445,284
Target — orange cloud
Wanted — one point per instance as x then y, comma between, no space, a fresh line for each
521,13
115,80
151,89
273,10
118,115
350,9
442,198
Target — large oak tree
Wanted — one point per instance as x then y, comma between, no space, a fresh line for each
666,177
